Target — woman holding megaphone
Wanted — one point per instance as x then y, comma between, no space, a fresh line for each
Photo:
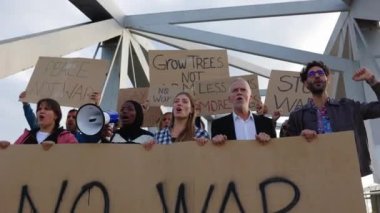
48,131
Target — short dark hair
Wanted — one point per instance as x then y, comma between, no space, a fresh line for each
309,65
72,110
53,105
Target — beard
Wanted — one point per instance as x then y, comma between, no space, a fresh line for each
71,127
317,88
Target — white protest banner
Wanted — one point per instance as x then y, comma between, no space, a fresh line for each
70,81
286,175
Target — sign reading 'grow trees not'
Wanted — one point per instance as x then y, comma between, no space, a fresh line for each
286,175
182,70
202,73
198,62
70,81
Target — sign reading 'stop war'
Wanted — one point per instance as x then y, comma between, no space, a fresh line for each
70,81
286,175
286,91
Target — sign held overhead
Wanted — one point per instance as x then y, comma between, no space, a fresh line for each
70,81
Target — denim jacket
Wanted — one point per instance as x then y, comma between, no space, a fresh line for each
30,116
345,114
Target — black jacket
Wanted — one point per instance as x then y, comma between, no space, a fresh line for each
344,114
225,125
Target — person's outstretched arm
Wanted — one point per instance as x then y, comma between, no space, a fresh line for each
28,112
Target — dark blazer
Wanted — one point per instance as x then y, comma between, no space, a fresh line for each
225,125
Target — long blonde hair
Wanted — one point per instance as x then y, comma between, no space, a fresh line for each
188,133
161,121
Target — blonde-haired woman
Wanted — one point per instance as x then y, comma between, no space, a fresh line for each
165,121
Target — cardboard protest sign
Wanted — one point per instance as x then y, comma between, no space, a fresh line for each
287,92
70,81
152,114
211,96
287,175
163,94
182,69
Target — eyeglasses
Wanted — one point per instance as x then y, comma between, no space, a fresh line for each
313,73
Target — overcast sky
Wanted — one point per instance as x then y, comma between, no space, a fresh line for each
25,17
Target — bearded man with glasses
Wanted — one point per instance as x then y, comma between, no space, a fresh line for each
323,114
